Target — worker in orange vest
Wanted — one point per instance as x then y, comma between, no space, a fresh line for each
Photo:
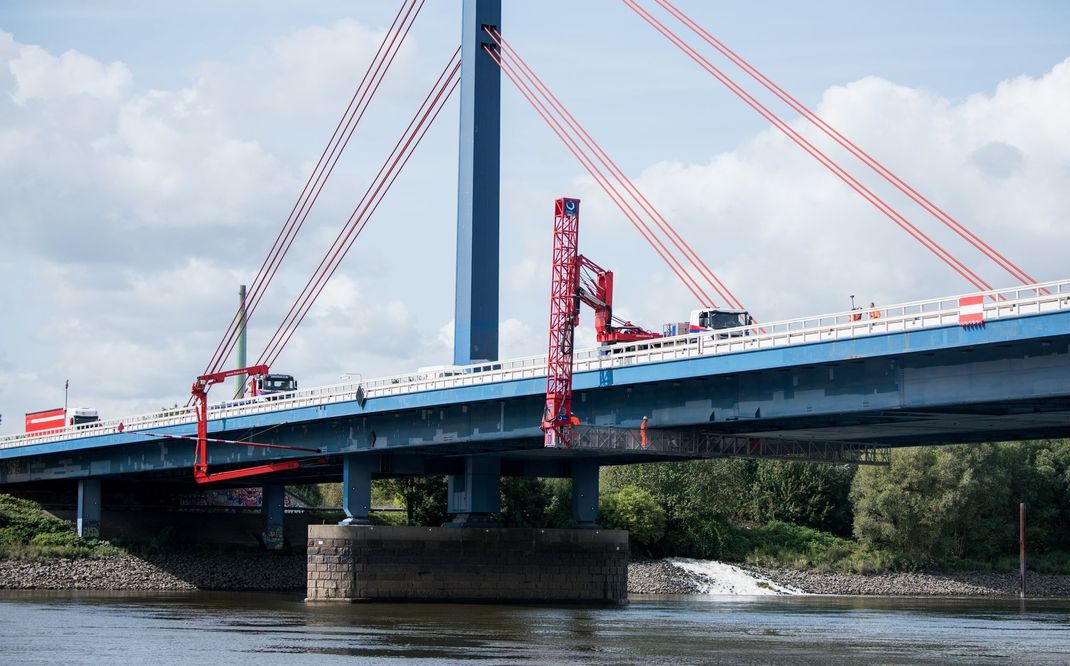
643,440
874,313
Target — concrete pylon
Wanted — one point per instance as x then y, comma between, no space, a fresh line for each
357,487
89,508
585,494
273,508
474,496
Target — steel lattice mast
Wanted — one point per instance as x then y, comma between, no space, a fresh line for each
564,308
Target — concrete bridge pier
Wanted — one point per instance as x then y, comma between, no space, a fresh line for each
474,495
273,508
585,494
89,508
357,488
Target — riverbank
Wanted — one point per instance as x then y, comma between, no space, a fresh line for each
235,571
251,570
674,576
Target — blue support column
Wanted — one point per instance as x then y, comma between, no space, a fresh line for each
357,488
273,508
89,508
585,494
476,315
475,495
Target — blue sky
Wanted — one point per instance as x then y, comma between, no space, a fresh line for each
135,207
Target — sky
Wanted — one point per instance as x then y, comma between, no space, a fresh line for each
149,153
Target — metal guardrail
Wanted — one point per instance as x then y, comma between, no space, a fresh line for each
933,313
686,443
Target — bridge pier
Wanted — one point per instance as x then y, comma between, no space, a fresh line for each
89,508
474,495
377,563
585,494
357,488
273,508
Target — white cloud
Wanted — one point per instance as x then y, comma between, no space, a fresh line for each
309,73
790,239
40,75
132,215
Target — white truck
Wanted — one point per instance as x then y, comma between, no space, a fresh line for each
726,323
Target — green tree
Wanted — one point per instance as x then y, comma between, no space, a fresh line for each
424,497
939,505
699,498
633,509
559,511
525,502
809,494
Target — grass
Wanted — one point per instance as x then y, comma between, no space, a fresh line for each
783,545
28,532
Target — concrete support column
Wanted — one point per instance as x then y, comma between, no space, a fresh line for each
89,508
585,494
357,487
475,495
273,508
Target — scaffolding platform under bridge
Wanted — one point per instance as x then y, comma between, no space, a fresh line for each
695,443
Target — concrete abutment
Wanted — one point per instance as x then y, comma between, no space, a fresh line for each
377,563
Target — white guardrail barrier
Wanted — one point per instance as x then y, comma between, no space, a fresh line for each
998,304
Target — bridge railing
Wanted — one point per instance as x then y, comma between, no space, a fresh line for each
932,313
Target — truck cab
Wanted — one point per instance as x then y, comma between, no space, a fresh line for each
270,384
77,416
733,323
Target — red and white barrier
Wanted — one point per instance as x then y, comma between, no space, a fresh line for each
972,311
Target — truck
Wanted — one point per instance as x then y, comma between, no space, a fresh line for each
58,418
733,323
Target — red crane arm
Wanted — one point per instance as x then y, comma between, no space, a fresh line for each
200,403
223,375
595,288
575,280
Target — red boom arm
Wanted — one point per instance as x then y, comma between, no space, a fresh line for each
575,279
200,398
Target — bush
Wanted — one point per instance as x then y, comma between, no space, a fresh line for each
635,510
28,532
21,520
57,540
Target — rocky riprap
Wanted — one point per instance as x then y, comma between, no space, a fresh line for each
949,584
659,577
181,571
287,571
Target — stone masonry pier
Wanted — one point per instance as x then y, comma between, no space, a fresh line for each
374,563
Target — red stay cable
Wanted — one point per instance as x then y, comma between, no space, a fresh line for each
365,218
659,220
369,84
850,146
351,129
644,230
398,157
838,171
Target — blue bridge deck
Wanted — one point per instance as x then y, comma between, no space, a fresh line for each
913,376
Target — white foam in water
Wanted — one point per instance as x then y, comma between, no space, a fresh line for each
716,577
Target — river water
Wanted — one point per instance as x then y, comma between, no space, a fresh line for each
215,628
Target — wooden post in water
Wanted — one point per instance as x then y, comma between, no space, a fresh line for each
1021,547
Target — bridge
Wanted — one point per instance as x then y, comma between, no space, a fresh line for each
988,364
